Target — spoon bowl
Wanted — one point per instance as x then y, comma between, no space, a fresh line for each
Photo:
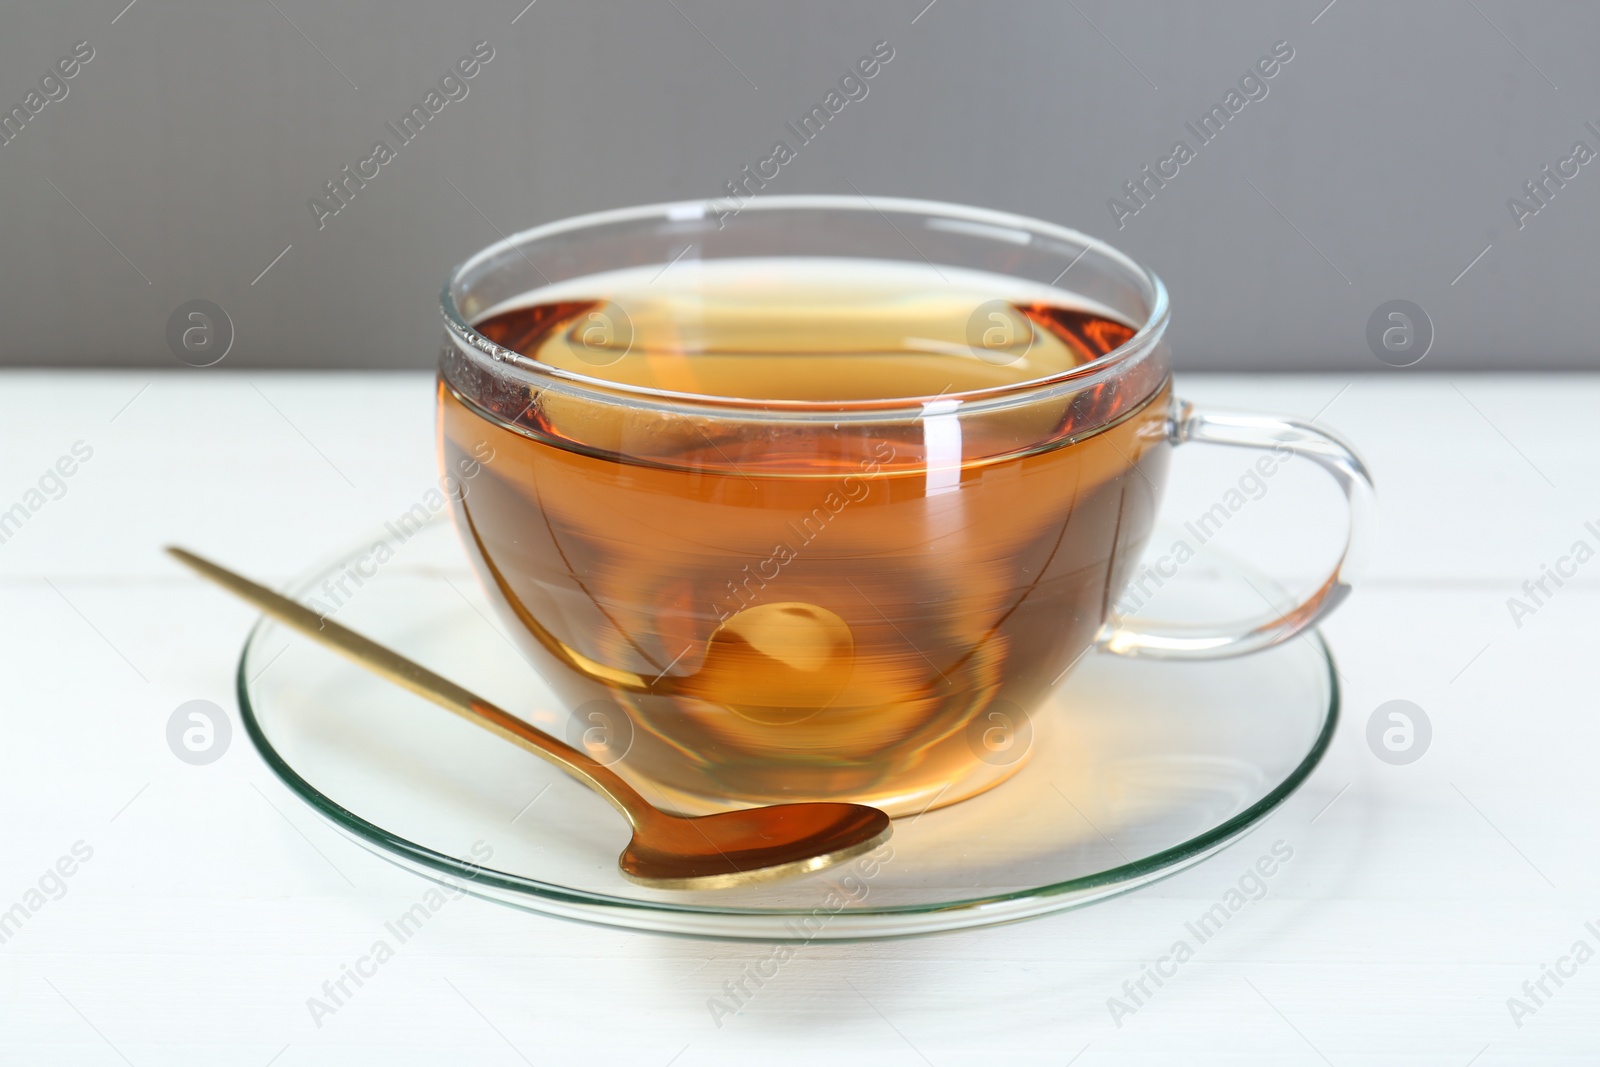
733,848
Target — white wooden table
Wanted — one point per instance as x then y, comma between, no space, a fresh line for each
1419,899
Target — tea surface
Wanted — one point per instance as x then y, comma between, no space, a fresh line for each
812,330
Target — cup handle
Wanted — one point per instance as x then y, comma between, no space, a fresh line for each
1289,437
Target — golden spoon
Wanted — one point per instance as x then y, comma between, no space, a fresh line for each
731,848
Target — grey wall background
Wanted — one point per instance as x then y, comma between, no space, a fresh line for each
1378,167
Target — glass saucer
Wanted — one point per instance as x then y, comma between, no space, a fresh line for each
1135,769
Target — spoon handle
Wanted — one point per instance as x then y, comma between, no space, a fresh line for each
423,682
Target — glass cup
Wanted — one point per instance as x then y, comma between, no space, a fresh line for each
750,599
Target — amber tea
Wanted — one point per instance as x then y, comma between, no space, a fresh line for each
761,608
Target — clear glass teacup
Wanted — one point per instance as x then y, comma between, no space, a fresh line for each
819,502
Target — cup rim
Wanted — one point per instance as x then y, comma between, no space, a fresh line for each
1145,337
